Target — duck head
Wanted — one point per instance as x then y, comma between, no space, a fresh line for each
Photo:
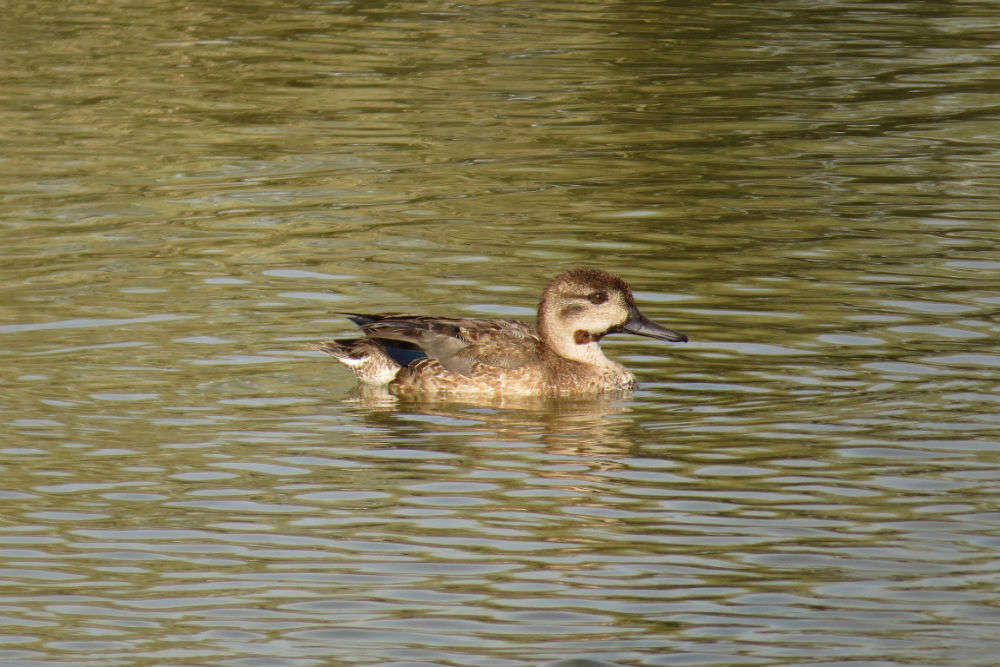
582,306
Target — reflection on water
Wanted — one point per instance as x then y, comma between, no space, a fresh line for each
189,194
581,425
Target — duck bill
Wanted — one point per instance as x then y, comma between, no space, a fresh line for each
641,325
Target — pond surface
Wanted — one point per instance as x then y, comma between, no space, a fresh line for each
189,193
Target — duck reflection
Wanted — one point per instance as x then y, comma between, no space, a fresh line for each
591,425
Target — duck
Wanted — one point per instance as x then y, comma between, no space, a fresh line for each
420,355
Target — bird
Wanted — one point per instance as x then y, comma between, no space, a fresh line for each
420,355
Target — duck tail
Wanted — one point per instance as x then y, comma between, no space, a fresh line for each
365,357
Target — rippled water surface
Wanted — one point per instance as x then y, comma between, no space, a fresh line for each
190,192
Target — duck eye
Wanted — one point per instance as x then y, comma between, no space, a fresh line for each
598,298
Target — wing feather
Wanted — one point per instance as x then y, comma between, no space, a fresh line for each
459,344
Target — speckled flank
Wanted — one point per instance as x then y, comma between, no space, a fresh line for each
428,376
505,357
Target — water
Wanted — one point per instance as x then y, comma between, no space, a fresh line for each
189,193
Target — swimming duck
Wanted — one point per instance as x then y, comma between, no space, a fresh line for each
417,355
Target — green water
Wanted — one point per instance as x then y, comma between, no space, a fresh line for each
190,192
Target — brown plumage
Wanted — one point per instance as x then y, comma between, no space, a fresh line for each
421,355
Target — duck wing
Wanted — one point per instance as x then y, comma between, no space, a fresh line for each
459,344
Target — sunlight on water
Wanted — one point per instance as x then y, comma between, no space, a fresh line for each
191,194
